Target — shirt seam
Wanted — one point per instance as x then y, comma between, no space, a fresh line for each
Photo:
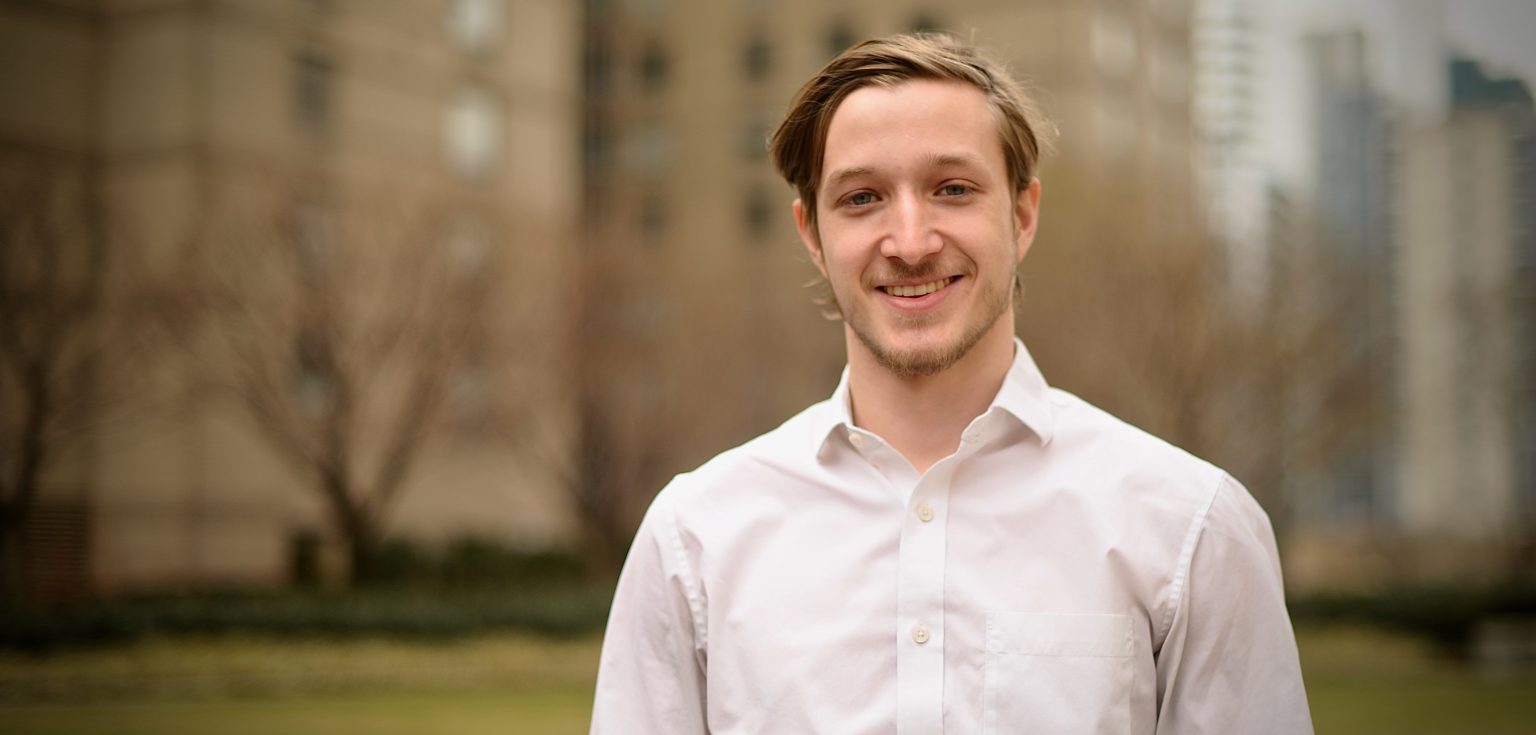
691,584
1187,557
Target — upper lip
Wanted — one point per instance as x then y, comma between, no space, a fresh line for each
913,281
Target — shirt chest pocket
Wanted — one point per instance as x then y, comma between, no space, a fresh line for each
1054,674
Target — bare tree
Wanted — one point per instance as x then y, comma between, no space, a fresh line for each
66,309
628,419
339,331
1131,310
659,380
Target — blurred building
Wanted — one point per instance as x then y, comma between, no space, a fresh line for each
1464,241
1351,206
639,127
1234,181
1424,216
193,121
690,247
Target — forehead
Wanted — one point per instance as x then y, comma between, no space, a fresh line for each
887,127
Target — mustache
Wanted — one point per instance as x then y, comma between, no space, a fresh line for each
897,270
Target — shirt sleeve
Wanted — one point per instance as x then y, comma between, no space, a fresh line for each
1229,661
651,675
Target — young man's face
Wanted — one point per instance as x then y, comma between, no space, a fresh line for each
918,227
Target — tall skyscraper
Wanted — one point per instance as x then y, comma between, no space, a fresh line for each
1234,182
1351,200
1464,213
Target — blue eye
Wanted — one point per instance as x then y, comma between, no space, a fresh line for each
955,190
861,198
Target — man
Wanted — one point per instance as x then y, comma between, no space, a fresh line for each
947,544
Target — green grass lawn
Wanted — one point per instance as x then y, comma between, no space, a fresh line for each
1360,683
517,712
509,685
1369,683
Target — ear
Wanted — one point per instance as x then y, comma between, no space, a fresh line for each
1026,214
808,236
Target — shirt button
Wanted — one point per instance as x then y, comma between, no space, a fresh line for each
971,437
858,440
920,634
924,512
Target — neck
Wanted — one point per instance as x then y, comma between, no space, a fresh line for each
922,417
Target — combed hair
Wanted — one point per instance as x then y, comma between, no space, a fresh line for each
798,145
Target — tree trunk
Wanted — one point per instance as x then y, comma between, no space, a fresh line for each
13,555
357,528
363,554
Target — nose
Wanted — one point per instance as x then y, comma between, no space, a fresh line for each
911,237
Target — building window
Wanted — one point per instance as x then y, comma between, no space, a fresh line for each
472,132
653,217
926,23
757,216
596,68
647,151
653,68
754,138
314,82
757,59
594,144
839,39
476,25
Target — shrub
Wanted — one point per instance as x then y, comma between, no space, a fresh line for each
1445,615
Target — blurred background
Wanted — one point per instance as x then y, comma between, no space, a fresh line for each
343,343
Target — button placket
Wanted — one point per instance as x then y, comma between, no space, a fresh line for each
920,603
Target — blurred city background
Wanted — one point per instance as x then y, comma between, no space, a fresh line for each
344,342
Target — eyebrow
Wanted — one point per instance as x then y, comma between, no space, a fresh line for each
843,174
946,160
939,160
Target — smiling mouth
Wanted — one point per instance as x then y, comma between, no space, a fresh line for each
921,289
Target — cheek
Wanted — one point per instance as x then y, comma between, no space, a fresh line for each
840,252
842,269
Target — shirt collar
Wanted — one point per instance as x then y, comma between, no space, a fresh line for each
1024,395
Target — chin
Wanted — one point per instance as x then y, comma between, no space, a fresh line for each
920,359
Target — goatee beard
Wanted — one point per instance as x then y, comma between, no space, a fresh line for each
926,363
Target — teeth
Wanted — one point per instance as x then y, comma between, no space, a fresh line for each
919,290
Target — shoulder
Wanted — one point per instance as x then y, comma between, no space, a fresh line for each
1126,455
1156,472
1153,476
785,452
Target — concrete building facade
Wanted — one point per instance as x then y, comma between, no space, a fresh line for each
1234,181
1463,224
447,127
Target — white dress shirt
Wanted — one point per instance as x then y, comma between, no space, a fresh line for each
1061,572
